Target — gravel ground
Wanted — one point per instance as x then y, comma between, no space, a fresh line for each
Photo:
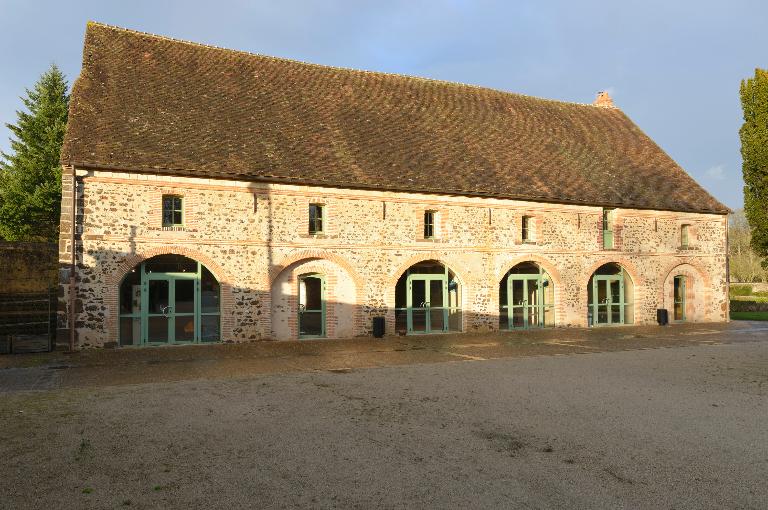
676,427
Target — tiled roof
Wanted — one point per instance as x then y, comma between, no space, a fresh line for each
146,103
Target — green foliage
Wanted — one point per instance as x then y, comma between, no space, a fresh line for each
754,153
30,177
749,316
743,262
740,290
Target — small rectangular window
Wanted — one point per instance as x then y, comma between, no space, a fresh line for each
607,228
429,224
526,228
684,239
315,219
173,215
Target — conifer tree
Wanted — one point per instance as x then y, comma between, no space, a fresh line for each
30,177
754,153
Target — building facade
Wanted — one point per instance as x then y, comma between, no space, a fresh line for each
169,252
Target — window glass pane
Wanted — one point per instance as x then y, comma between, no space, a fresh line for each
158,296
130,330
209,328
170,264
429,224
209,292
185,328
185,296
157,329
172,210
315,218
130,293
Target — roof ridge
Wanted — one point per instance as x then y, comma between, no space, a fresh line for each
339,68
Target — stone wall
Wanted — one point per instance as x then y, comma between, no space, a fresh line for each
27,267
254,238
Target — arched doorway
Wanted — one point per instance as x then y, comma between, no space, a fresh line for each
169,299
427,299
526,298
312,306
610,294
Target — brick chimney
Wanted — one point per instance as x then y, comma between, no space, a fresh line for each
604,100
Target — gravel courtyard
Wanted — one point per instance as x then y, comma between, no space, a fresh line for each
674,427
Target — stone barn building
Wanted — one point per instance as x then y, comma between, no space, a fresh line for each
225,196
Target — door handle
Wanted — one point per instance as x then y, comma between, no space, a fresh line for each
166,310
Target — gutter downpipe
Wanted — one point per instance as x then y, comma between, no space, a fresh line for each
73,262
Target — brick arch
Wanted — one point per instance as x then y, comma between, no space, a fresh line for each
456,267
639,294
291,259
674,266
628,266
541,261
391,282
133,260
301,264
116,278
687,268
551,270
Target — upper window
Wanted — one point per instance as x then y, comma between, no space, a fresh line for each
173,215
526,229
429,224
608,228
315,219
684,236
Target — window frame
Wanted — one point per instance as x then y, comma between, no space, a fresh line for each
173,210
430,220
316,223
525,229
685,236
607,226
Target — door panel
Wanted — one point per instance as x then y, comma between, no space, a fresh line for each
157,329
184,298
311,313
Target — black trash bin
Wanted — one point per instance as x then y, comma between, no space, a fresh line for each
662,316
378,327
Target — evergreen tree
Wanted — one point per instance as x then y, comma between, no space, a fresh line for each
754,153
30,177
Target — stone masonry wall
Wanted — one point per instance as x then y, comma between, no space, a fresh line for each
254,238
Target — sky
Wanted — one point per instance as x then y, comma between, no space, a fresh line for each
673,66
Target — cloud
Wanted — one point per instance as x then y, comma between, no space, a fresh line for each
716,173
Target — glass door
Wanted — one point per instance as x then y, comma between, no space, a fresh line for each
182,312
679,299
171,309
427,310
311,306
608,300
158,308
526,301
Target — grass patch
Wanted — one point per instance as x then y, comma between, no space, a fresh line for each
740,290
755,298
749,316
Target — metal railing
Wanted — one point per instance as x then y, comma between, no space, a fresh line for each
27,321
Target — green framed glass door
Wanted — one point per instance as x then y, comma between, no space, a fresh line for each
679,299
311,313
426,302
172,304
607,300
525,296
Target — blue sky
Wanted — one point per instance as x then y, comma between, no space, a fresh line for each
673,66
